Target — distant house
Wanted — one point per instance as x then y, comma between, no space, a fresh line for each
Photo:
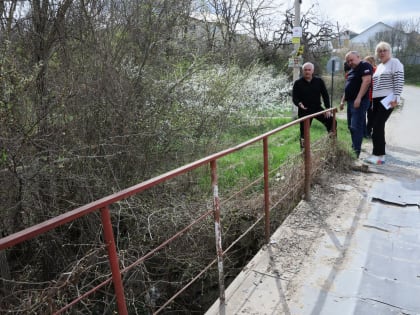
206,26
212,32
405,46
367,40
201,31
371,33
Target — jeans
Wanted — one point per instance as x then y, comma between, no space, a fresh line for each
358,123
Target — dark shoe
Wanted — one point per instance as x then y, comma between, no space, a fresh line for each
302,143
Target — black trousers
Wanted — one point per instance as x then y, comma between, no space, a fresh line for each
380,116
327,122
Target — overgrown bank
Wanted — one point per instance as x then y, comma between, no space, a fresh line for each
144,222
99,95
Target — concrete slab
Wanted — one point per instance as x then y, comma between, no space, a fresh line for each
366,262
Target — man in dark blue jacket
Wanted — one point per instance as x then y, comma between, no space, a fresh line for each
356,93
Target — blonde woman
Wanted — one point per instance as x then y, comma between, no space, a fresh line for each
388,82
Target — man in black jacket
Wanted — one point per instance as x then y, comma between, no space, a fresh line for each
307,93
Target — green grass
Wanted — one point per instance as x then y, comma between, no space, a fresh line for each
247,164
412,74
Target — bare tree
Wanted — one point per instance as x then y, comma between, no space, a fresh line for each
262,20
230,14
317,34
96,96
411,54
404,40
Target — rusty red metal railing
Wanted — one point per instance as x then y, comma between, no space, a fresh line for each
103,205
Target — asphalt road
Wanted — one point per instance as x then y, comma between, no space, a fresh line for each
403,127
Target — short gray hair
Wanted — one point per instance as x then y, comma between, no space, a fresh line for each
308,64
353,52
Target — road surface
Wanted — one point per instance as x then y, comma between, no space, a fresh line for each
402,131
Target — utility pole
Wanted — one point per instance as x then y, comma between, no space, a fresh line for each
296,23
296,40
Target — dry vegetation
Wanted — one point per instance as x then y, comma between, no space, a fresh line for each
99,95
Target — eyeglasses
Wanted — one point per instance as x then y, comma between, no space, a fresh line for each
382,51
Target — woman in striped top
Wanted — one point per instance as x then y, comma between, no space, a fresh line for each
388,82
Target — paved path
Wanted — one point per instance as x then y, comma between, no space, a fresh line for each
354,248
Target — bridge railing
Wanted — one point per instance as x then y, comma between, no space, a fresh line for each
103,207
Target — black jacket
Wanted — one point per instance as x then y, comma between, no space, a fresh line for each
310,93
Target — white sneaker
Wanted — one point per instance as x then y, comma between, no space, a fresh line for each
382,159
376,160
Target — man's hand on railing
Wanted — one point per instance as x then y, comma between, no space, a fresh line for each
328,114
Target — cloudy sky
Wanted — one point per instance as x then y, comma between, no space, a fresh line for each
358,15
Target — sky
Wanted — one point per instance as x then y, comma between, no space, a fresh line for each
358,15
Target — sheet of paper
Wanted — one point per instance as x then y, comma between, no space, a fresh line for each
385,101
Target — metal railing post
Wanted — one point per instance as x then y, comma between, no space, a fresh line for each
266,191
334,128
218,230
113,260
307,155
